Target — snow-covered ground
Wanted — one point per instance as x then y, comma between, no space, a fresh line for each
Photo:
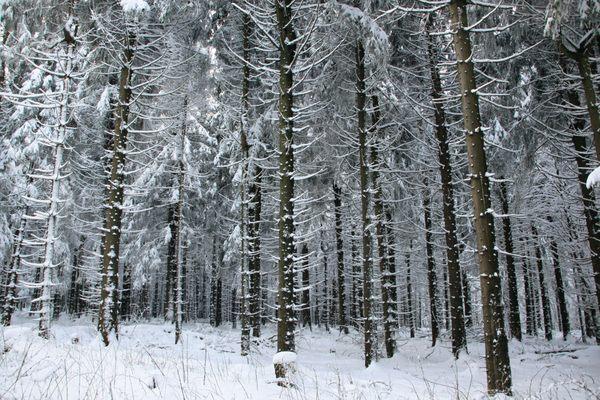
146,364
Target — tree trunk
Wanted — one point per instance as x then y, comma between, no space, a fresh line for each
543,293
388,333
459,339
285,295
466,292
125,312
12,278
496,343
431,273
341,290
391,275
409,293
108,312
357,293
364,197
75,288
178,257
587,195
171,264
560,289
245,298
305,299
513,294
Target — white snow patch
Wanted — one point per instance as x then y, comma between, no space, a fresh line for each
593,179
134,5
284,357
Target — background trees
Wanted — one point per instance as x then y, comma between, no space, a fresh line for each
342,164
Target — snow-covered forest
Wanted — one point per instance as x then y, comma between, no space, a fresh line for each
299,199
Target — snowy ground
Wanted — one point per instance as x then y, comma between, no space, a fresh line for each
145,364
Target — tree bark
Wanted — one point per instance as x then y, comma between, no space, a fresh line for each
12,278
245,298
543,293
388,332
409,293
364,197
391,269
341,291
108,312
254,215
431,273
459,339
285,299
305,299
496,343
560,289
513,294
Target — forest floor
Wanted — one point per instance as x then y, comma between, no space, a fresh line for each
146,364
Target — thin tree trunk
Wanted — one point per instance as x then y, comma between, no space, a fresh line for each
466,292
341,290
245,298
513,294
364,196
12,278
285,295
544,295
431,273
459,339
388,333
560,289
409,293
178,259
171,264
391,272
254,215
305,300
108,311
496,343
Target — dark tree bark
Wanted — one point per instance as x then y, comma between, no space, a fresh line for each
409,293
496,343
341,289
357,303
466,291
254,215
513,294
560,289
391,268
171,265
459,339
9,300
543,293
285,307
431,273
125,312
108,312
388,332
305,300
364,197
76,286
245,312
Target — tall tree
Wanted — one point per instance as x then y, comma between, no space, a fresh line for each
459,339
496,343
285,294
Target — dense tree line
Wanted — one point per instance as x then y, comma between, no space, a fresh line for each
384,167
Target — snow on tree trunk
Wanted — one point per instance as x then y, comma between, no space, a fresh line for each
108,312
285,292
496,343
